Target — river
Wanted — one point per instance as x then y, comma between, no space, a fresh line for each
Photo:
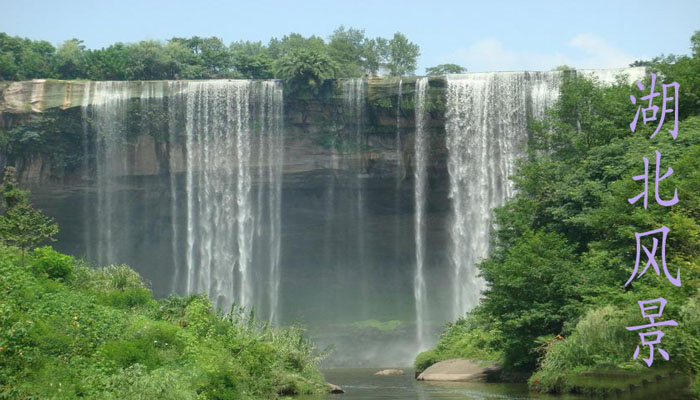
361,384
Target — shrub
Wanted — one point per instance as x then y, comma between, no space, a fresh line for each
599,340
468,337
128,352
426,359
127,298
46,261
122,277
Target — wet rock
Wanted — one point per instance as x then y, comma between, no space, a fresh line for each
334,389
389,372
460,370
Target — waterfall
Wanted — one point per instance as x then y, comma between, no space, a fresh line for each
226,138
353,91
487,116
224,224
271,158
399,151
420,181
108,115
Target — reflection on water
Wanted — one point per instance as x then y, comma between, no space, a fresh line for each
360,383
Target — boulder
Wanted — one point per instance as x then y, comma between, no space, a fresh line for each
460,370
334,389
389,372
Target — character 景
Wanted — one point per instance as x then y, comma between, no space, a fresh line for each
652,309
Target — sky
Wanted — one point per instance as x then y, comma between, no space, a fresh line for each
479,35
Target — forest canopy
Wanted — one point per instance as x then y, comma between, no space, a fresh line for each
347,53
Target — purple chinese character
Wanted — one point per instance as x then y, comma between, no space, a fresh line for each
654,109
651,256
645,176
647,307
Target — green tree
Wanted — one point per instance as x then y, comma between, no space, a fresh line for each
375,53
71,60
252,60
21,225
403,55
532,291
346,48
444,69
304,70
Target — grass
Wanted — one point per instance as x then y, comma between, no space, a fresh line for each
69,331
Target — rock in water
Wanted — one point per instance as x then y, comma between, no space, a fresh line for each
459,370
389,372
334,389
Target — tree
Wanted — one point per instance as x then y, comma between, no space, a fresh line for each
21,225
403,55
70,59
532,291
375,53
444,69
305,70
346,47
252,60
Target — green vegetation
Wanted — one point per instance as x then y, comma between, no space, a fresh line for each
347,53
71,331
469,338
444,69
564,246
20,224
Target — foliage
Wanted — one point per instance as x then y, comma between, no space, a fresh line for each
564,246
352,55
305,70
533,291
53,136
20,224
54,265
469,337
444,69
403,55
63,336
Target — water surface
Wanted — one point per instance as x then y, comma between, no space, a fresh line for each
360,383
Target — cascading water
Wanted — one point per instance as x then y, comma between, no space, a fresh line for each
108,114
399,149
353,91
487,117
223,242
420,172
226,251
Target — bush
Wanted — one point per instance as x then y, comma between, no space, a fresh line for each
426,359
468,337
122,277
599,341
46,261
127,298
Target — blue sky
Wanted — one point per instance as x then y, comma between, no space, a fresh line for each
481,35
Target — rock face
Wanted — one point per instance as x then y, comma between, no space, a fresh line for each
459,370
389,372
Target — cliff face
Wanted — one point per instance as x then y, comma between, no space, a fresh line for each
314,127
